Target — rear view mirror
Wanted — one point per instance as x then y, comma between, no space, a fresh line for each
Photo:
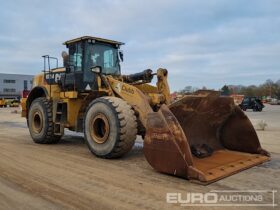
96,69
121,55
65,57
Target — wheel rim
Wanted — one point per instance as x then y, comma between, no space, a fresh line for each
99,128
37,124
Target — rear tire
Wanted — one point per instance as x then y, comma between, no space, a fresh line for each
110,127
40,122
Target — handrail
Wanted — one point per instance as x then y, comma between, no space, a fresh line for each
47,58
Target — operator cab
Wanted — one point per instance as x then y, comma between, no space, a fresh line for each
85,53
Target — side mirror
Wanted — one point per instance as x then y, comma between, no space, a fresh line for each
96,69
121,55
65,57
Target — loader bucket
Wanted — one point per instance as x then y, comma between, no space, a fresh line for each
203,138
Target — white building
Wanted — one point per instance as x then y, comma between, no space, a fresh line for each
11,85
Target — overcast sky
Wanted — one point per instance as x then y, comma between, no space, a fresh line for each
201,42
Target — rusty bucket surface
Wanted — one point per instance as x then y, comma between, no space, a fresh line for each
176,133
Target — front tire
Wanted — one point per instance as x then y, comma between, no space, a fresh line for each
110,127
40,122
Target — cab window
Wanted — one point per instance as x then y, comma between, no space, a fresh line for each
102,55
76,56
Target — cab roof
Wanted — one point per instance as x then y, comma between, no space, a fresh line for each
92,38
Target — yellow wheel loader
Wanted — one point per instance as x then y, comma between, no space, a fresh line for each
2,102
202,137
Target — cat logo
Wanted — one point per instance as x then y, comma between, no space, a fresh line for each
57,78
128,90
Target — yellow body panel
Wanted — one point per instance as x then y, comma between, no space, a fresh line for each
69,94
146,88
73,108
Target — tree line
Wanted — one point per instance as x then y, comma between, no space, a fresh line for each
268,89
